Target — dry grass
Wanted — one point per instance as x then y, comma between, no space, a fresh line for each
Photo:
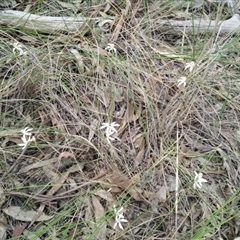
166,132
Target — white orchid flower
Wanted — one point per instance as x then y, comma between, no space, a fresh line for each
111,48
26,141
110,129
26,138
198,180
26,131
182,81
18,47
119,218
189,66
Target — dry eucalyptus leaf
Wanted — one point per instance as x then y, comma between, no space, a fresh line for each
88,217
171,183
140,155
50,173
130,113
59,180
122,181
149,195
72,183
27,216
65,155
105,195
3,227
2,197
79,59
38,165
115,189
162,194
99,215
18,230
98,208
92,129
206,212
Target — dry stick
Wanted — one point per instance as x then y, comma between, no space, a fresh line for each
201,26
48,24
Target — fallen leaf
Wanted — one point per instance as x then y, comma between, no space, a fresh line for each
130,113
161,194
105,195
59,180
99,216
98,208
38,165
18,230
88,217
92,129
184,148
206,212
171,183
130,116
141,152
50,173
78,58
65,155
150,161
149,195
117,29
72,183
29,39
23,215
107,7
195,144
127,184
3,227
2,197
115,189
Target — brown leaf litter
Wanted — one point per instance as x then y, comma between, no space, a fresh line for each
68,85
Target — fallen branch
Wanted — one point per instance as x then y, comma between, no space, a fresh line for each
48,24
200,25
